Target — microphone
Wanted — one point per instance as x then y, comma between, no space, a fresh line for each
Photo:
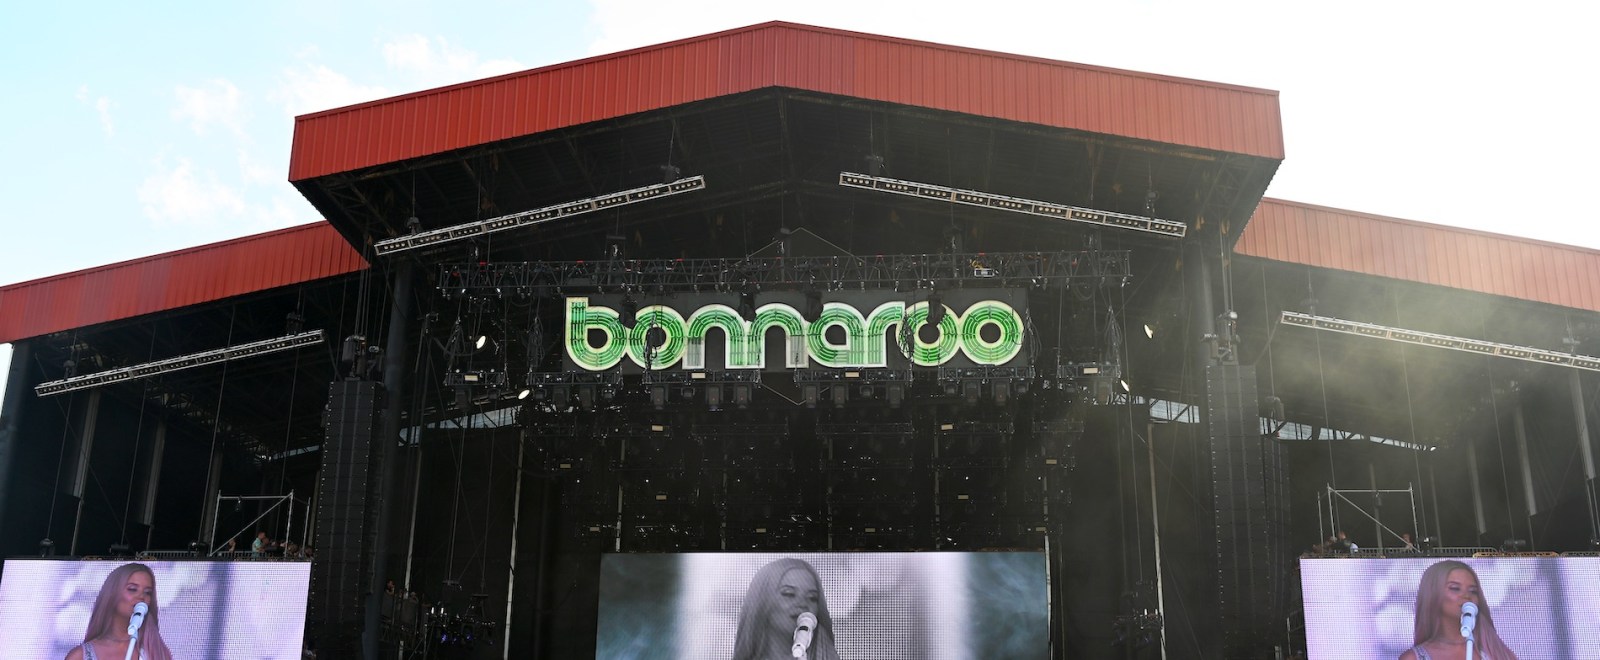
804,626
137,620
1469,618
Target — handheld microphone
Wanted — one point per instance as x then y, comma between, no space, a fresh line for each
1469,618
805,624
137,620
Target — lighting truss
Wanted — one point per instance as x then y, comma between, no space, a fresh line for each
536,216
904,271
179,363
1148,225
1477,346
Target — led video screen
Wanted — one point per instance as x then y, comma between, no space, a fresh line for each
202,609
1536,607
886,606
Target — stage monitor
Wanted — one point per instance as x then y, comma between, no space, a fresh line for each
1537,607
886,606
204,609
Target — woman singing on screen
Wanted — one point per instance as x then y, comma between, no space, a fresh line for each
1444,588
780,592
107,636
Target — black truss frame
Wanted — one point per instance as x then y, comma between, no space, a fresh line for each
899,271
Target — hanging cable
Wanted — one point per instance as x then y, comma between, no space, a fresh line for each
216,425
138,436
1411,417
61,458
1322,388
1499,441
1133,456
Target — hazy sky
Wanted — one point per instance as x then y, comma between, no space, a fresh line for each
133,129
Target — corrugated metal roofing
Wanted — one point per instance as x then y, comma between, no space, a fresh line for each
173,280
1193,113
1419,252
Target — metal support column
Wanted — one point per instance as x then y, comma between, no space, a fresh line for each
10,420
394,383
1581,417
1527,467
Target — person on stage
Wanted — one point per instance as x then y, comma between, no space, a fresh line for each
1445,586
107,635
777,595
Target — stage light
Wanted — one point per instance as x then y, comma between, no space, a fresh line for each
1418,338
1149,331
935,309
1124,385
482,339
929,191
536,216
523,394
630,310
169,365
813,308
747,301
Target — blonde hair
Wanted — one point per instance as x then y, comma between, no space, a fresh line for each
754,633
104,614
1430,593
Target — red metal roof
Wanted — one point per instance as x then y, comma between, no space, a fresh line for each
1193,113
1420,252
173,280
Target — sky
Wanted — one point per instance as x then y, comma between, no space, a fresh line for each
140,128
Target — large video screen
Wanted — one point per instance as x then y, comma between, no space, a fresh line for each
886,606
1538,607
203,609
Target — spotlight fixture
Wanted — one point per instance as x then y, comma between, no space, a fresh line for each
482,339
935,309
536,216
1524,353
930,191
524,394
214,356
1149,332
630,310
747,301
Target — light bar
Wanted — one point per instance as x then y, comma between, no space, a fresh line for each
536,216
1480,347
1015,204
179,363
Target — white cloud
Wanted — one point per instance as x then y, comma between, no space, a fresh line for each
218,102
102,108
177,196
283,212
252,171
315,87
436,61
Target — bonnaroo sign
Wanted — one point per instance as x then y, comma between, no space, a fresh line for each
989,332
